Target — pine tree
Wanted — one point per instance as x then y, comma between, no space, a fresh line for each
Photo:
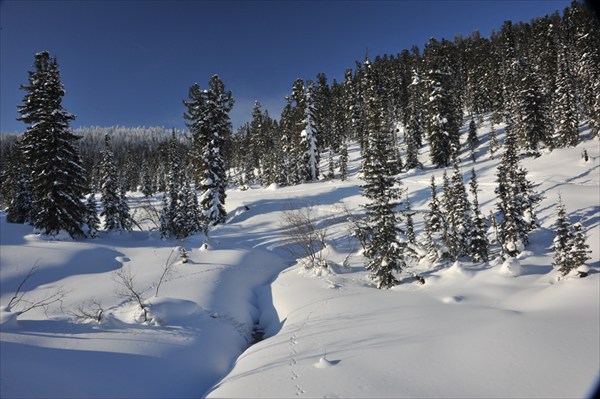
565,104
494,144
438,129
208,113
562,241
580,250
147,183
517,200
115,209
20,207
532,107
384,251
92,222
434,227
472,139
343,160
478,242
309,143
458,216
57,176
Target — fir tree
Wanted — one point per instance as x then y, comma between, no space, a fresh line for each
472,139
562,241
92,222
384,251
309,143
434,227
494,144
57,176
208,113
20,207
565,104
147,183
478,242
517,201
458,216
580,250
438,129
343,160
115,209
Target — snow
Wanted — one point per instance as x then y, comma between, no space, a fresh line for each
499,329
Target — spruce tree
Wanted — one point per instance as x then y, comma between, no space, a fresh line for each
115,209
343,160
58,181
458,216
208,113
478,242
384,251
472,139
92,222
494,144
565,104
434,227
516,199
580,250
309,142
562,241
147,181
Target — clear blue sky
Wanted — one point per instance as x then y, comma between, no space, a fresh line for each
131,63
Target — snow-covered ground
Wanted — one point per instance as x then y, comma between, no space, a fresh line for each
472,330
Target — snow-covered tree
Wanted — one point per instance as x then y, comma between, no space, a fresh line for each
343,161
580,250
384,250
478,242
308,140
434,227
208,113
58,181
516,199
93,221
472,139
458,216
147,181
115,209
562,241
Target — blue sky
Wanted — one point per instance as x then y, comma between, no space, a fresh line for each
131,63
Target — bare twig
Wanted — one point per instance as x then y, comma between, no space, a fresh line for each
89,310
167,269
19,300
124,278
309,241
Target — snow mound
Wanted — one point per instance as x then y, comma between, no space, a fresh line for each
172,311
457,269
323,363
273,187
453,299
511,267
8,319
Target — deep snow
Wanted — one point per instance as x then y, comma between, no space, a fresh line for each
472,330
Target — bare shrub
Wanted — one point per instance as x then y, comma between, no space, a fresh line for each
308,241
90,309
129,292
22,304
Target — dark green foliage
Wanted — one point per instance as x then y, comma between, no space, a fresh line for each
93,221
384,251
478,248
115,209
50,153
208,113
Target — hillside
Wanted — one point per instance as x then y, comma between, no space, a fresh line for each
472,330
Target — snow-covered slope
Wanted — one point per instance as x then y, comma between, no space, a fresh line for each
472,330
